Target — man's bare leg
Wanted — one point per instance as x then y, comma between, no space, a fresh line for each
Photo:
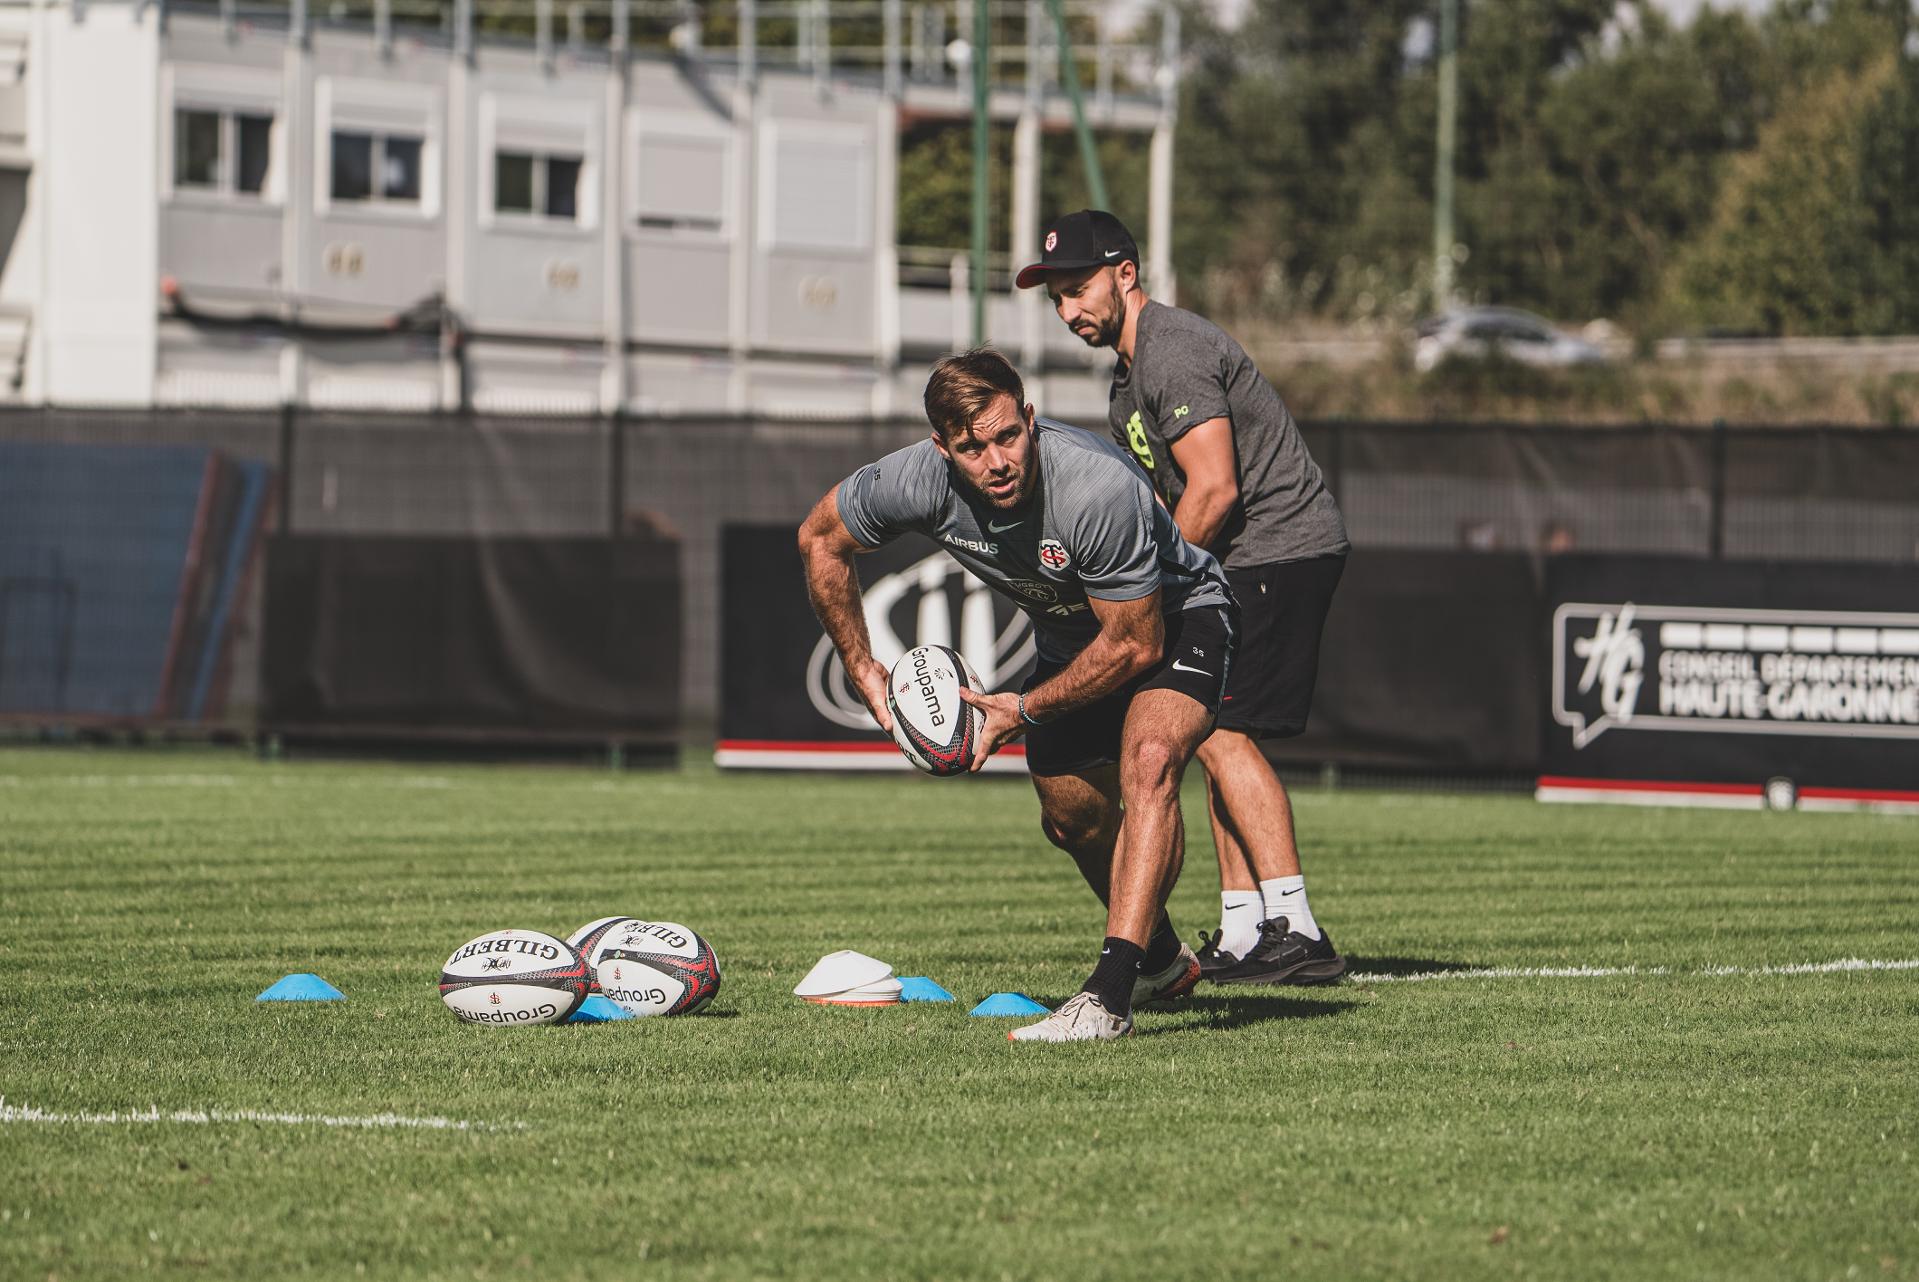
1163,729
1235,869
1258,813
1081,815
1241,910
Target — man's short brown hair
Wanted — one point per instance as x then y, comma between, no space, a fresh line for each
962,386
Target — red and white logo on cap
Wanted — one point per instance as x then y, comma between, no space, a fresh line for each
1052,241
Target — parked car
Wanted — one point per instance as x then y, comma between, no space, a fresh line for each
1475,333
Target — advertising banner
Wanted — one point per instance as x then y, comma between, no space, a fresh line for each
1430,659
1740,684
785,702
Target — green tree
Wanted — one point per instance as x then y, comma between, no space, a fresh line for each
1813,230
1632,145
1295,187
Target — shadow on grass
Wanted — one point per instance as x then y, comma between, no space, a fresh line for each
1235,1010
1238,1011
1401,966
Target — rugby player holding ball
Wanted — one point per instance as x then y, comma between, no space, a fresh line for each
1134,628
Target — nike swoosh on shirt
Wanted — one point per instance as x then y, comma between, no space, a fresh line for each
1001,529
1178,666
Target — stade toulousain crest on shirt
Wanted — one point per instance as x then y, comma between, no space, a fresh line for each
785,698
1674,692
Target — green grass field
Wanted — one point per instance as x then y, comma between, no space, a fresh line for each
1645,1125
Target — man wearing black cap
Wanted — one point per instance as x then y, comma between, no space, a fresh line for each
1227,458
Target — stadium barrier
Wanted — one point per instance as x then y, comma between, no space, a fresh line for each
1510,492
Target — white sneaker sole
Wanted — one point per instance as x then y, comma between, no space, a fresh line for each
1170,985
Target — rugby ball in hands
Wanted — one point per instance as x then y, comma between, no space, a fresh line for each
658,968
587,939
513,977
933,728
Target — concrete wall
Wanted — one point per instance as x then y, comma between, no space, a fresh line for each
95,179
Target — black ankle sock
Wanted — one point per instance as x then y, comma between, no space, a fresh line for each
1112,980
1162,950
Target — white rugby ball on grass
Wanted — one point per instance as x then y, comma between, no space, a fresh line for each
514,977
588,939
933,727
658,968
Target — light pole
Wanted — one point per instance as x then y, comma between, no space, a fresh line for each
1443,157
982,136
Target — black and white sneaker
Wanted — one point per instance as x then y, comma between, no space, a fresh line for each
1211,959
1284,956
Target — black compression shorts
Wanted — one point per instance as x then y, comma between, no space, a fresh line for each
1282,610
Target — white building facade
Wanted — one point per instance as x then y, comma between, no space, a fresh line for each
217,207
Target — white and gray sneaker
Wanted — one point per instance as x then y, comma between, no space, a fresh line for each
1082,1019
1171,984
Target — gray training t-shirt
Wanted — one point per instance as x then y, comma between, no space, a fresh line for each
1187,370
1093,528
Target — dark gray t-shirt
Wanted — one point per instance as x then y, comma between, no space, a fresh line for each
1093,529
1187,370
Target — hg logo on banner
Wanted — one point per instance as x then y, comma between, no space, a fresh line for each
1696,668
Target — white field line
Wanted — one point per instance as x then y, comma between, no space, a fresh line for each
10,1113
1610,972
432,782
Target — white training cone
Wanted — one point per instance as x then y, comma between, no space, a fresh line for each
884,993
837,972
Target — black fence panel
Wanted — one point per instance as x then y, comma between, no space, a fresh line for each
507,640
1822,494
1516,489
454,476
1429,662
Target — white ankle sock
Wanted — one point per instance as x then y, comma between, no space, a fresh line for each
1286,897
1240,912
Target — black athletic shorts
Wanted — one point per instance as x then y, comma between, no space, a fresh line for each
1198,661
1282,610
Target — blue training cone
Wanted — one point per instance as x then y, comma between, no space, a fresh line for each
918,988
599,1010
1009,1004
302,988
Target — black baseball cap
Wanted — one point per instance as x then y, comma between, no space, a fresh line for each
1089,238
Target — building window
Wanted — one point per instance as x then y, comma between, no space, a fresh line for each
377,167
549,186
229,152
255,136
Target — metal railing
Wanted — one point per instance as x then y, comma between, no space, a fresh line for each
918,42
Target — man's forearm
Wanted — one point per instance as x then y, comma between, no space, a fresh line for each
834,587
1097,671
1202,515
